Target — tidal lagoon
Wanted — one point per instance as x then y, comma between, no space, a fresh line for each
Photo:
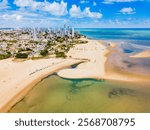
55,94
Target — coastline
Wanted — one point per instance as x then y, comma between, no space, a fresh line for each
12,91
100,64
143,54
105,61
120,67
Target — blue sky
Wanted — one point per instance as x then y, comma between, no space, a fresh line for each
77,13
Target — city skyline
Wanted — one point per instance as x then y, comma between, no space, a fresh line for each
78,14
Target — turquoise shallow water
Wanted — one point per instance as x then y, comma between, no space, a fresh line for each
55,94
129,35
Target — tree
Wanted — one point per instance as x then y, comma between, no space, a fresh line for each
60,54
5,56
21,55
59,39
44,52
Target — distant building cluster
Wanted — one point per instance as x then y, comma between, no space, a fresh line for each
37,41
66,31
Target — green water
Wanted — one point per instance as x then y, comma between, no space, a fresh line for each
55,94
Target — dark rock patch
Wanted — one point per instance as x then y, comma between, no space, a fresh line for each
117,92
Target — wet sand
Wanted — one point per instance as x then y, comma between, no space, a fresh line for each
143,54
121,66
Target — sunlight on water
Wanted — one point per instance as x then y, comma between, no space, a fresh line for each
55,94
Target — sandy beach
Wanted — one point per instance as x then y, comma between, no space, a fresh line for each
143,54
17,78
94,51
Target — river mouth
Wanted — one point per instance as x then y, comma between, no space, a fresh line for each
57,95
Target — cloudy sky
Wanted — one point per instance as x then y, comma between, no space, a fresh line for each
77,13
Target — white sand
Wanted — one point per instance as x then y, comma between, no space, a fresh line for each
143,54
17,78
95,52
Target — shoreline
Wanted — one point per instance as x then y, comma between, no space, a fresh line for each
101,69
95,55
143,54
128,67
13,93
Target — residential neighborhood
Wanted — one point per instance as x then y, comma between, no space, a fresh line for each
37,42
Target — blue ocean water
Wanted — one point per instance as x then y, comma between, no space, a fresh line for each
6,28
138,36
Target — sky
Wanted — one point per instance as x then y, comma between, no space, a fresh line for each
75,13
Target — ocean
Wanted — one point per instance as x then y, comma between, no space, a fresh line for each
139,36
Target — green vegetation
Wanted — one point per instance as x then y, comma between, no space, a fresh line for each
83,42
65,48
21,55
79,41
13,41
21,49
28,49
25,33
60,54
50,44
78,36
5,56
32,41
44,52
3,40
59,39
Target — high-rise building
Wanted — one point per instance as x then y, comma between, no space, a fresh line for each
65,30
34,34
68,31
72,31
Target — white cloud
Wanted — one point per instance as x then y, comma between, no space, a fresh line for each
75,11
58,9
88,13
12,17
118,1
54,8
23,3
34,5
4,4
128,10
25,18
